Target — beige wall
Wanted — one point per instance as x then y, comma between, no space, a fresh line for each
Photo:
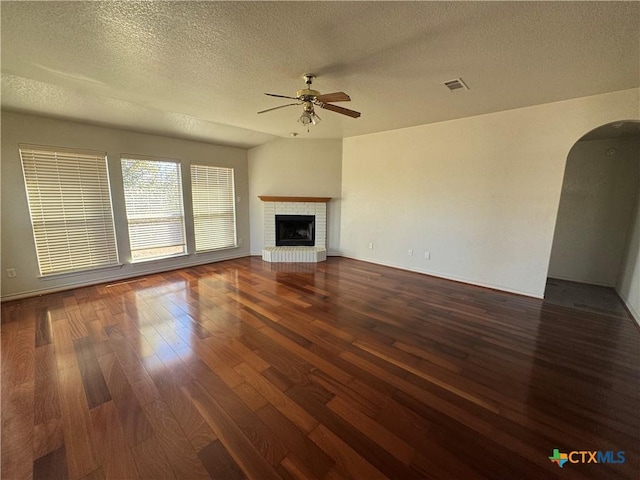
18,249
296,167
628,285
480,194
597,205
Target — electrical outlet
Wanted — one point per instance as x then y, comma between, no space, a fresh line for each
427,255
410,253
370,245
11,272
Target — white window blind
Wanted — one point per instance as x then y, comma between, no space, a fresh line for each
214,213
155,214
70,207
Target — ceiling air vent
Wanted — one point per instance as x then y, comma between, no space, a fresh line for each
455,84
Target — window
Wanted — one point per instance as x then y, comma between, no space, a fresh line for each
70,207
155,214
214,214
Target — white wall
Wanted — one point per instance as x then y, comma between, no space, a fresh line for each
480,194
18,250
596,209
628,285
296,167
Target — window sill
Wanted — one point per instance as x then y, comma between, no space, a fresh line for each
204,252
157,259
54,276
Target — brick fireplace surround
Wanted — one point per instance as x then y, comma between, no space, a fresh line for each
295,206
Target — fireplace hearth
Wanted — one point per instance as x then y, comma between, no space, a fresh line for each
295,230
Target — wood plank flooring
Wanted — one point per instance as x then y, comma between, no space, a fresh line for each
343,369
593,298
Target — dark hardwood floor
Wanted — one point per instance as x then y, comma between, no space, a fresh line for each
583,296
244,369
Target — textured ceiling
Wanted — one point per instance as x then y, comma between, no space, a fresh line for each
199,69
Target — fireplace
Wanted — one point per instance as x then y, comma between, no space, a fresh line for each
295,230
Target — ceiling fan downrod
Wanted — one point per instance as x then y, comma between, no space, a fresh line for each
307,94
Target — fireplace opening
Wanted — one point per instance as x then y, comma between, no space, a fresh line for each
295,230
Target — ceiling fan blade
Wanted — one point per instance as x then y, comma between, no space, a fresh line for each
275,108
343,111
281,96
334,97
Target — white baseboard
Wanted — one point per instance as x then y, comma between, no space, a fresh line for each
117,278
586,282
69,286
450,277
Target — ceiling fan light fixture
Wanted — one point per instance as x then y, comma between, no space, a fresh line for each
305,119
315,119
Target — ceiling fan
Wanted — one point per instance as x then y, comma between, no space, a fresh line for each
309,98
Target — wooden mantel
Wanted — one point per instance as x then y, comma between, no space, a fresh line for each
267,198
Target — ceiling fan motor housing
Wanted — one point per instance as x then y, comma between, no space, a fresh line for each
307,95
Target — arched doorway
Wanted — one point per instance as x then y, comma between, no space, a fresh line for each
594,252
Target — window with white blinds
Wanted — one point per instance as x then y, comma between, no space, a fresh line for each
214,213
155,214
70,207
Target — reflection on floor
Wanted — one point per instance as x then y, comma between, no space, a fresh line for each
340,369
592,298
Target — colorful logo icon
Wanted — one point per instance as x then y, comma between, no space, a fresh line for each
559,458
587,456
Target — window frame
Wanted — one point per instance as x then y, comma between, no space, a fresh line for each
98,227
230,174
181,196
